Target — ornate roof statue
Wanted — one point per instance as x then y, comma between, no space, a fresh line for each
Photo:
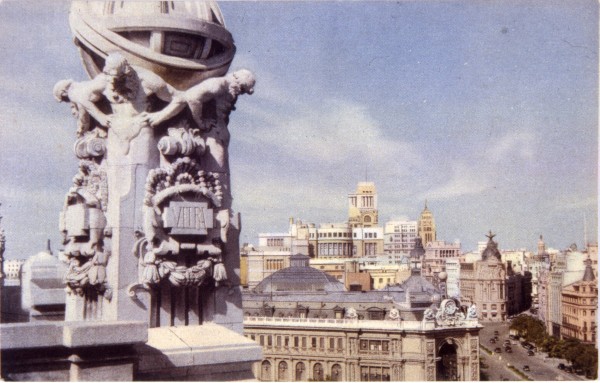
491,251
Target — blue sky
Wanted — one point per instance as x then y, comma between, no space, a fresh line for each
489,110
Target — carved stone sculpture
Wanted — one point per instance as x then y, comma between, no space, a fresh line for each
133,126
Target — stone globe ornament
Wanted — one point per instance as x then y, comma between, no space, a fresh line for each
184,42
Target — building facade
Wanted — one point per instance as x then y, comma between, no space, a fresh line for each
399,237
426,226
311,328
579,307
496,290
362,206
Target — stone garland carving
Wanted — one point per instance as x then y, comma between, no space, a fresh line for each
351,313
428,315
449,315
394,314
162,214
83,225
472,312
475,371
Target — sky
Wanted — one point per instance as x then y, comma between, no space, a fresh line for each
486,110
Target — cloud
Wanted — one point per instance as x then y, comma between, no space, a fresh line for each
465,180
519,143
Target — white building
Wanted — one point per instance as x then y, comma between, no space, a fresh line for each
399,237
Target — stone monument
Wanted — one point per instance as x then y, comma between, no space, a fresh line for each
148,226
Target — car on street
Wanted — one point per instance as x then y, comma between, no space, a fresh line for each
498,350
492,340
569,369
561,366
526,368
530,353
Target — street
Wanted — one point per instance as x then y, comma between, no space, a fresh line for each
541,367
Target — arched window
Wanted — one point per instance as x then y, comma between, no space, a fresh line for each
282,372
318,372
265,371
336,373
300,372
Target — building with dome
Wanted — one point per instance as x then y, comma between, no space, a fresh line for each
493,286
311,328
43,287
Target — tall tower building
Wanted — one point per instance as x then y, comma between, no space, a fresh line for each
541,246
362,206
426,226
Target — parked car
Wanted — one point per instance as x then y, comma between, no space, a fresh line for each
498,350
569,369
508,349
496,332
526,368
492,340
561,366
530,353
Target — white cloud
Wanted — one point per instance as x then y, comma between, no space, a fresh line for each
519,143
465,180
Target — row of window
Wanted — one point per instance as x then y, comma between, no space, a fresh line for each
275,242
344,234
318,373
331,344
322,343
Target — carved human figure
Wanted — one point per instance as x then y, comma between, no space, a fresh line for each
128,90
219,94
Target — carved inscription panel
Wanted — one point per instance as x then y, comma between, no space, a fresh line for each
188,218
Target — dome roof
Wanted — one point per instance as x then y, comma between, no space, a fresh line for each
299,279
491,251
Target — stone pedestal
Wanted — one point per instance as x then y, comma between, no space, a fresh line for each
71,351
202,353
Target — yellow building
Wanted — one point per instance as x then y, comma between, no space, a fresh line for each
362,206
579,305
426,226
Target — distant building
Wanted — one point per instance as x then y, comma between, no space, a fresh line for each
399,237
453,277
579,307
362,206
43,288
426,226
436,254
12,268
311,328
494,286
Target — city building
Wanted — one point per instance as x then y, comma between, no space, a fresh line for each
399,237
579,307
43,287
362,206
453,277
12,268
312,328
436,254
426,226
493,286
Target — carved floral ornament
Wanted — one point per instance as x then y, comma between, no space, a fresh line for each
178,216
